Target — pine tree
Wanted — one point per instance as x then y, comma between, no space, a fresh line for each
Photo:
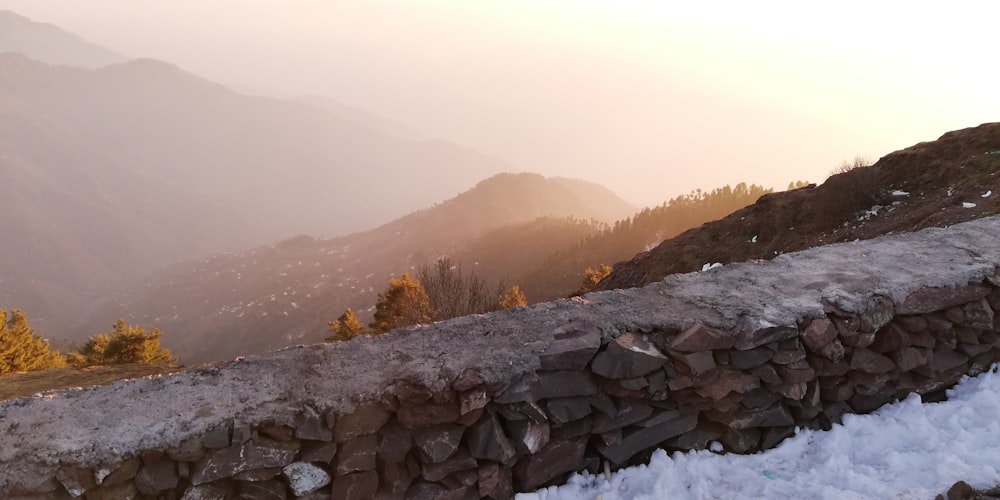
591,277
512,298
20,349
124,344
346,327
404,303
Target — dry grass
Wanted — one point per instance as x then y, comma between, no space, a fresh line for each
19,385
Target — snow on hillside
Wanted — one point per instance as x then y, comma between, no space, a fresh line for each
906,450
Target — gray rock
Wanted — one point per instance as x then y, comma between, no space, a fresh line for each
630,355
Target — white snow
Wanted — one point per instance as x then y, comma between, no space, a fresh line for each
754,239
966,204
710,265
986,194
900,193
906,450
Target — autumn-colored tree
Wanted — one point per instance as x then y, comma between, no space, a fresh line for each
512,298
404,303
20,349
124,344
346,327
591,277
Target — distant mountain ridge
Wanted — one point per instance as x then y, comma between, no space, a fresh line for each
50,44
277,295
111,172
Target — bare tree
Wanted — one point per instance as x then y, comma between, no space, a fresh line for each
452,294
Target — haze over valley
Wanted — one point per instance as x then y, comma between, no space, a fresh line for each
239,185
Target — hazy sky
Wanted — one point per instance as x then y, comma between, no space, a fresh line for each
650,98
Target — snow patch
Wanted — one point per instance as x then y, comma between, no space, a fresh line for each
899,451
900,193
986,194
966,204
710,266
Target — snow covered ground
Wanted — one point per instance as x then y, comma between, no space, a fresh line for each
906,450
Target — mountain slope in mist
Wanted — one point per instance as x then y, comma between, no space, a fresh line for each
282,294
50,44
110,173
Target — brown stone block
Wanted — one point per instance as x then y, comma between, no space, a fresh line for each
76,480
777,415
912,324
878,313
572,429
744,360
157,477
472,399
396,477
357,486
394,442
697,363
529,436
867,384
551,462
636,439
702,338
495,482
890,338
486,440
357,454
790,375
763,336
367,418
278,432
460,461
773,436
925,300
629,412
573,347
630,355
740,440
124,472
909,358
759,398
437,443
724,382
699,437
264,490
818,334
311,424
941,362
121,491
869,361
318,451
258,453
545,385
858,339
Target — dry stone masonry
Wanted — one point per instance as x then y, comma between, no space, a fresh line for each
490,405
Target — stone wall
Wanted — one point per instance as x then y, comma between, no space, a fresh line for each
489,405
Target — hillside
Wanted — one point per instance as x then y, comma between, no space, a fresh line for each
51,44
110,173
277,295
938,183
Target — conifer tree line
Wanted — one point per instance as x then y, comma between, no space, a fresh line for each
440,291
580,263
21,349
